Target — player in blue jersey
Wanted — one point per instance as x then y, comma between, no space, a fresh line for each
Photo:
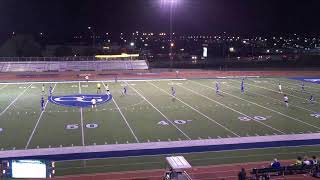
217,88
302,87
50,90
124,92
173,92
311,99
242,86
42,103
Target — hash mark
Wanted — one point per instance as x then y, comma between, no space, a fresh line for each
169,139
275,133
219,137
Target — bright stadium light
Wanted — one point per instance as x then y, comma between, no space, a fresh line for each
172,4
132,44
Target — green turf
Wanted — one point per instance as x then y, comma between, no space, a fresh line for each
210,115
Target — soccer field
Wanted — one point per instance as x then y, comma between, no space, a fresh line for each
149,112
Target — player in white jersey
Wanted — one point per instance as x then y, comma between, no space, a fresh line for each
286,100
107,88
93,103
42,89
86,78
280,88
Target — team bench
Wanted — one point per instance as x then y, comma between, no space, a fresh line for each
285,170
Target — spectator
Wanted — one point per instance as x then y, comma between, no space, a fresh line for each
298,161
314,160
306,161
275,164
242,175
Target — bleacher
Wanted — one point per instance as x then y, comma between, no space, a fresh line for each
266,173
60,66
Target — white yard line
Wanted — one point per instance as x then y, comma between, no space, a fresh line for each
278,92
298,120
275,99
15,100
38,121
81,116
3,86
159,111
212,120
124,118
233,110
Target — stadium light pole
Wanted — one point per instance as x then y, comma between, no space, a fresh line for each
172,4
93,36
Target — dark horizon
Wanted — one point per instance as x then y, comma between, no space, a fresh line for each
246,17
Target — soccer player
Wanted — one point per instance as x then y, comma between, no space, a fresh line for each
42,103
124,92
50,90
42,89
173,92
98,88
280,88
93,103
107,88
311,99
217,88
302,87
286,100
86,78
242,86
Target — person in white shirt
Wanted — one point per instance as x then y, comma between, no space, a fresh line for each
280,88
93,103
286,100
86,78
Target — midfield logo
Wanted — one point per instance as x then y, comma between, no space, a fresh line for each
81,100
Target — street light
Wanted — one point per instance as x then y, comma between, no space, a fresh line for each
93,36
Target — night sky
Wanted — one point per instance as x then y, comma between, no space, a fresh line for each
61,17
